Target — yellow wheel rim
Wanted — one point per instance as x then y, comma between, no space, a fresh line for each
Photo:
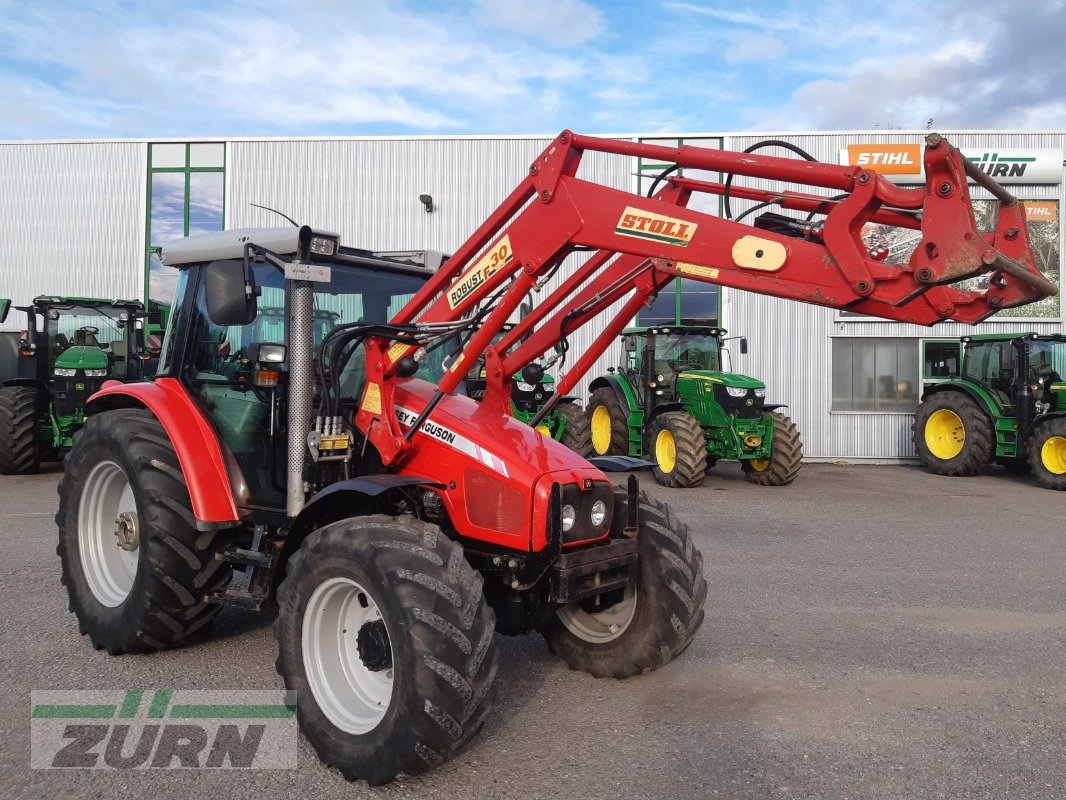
945,435
544,429
665,452
759,464
601,430
1053,455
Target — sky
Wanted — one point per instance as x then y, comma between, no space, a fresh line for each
350,67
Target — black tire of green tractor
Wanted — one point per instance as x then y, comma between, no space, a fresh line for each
19,450
578,433
689,450
670,591
440,629
176,566
1047,464
979,446
786,456
605,398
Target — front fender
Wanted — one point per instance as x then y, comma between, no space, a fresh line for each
193,438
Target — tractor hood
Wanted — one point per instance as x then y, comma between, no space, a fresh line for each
734,379
82,357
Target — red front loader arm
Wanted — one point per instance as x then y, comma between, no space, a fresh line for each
641,244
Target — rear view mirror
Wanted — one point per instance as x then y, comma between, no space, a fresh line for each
5,306
228,301
743,345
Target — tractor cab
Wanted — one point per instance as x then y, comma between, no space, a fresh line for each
1021,372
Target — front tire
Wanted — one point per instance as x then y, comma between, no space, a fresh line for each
384,633
1047,453
608,423
578,434
953,435
135,566
786,456
653,621
19,450
678,449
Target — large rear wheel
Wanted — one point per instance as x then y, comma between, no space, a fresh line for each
953,435
786,455
577,435
678,450
19,450
135,566
1047,453
653,620
384,633
608,423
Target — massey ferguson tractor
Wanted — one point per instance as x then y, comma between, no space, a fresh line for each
1007,405
397,526
672,401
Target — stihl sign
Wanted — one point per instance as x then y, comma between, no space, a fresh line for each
902,163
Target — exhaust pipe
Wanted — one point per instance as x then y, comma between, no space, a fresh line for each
301,390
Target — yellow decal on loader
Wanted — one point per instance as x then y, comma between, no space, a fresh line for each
655,227
398,351
488,265
372,399
695,269
754,252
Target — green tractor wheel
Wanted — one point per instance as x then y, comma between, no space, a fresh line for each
786,454
19,450
1047,453
608,424
678,449
577,435
952,435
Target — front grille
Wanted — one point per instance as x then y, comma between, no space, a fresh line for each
493,504
527,399
748,406
70,394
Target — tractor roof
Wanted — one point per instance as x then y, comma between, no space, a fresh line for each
53,300
999,337
708,330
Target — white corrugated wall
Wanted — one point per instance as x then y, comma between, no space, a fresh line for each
72,217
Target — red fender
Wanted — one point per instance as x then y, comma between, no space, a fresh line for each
193,438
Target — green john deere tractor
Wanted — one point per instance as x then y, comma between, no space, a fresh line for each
672,403
1008,405
70,346
564,422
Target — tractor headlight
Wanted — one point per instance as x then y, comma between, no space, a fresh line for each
569,517
94,373
736,391
760,393
599,513
65,373
320,245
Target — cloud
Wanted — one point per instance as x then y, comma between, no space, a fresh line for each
555,22
755,47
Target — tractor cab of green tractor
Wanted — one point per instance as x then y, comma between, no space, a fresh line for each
1007,405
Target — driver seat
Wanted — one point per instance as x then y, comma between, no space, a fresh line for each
85,339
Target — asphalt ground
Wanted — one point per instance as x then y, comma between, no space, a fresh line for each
871,632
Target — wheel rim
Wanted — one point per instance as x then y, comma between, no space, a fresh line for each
544,429
108,536
600,627
601,430
1053,455
347,655
759,464
665,451
945,435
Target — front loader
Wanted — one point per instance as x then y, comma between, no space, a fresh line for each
673,401
397,525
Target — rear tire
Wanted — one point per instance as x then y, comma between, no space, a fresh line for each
147,597
786,456
608,423
434,633
1047,453
578,433
953,435
654,621
19,450
678,450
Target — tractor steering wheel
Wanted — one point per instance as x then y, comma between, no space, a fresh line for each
90,330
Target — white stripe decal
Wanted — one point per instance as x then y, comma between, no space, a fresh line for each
430,428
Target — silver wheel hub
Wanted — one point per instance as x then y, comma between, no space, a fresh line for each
127,532
107,516
347,655
601,627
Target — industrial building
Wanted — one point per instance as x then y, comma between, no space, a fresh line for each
83,218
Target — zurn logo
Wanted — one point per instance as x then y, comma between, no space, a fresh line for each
162,729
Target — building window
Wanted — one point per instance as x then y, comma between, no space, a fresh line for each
186,187
875,374
685,301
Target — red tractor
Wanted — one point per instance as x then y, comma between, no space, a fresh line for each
397,525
